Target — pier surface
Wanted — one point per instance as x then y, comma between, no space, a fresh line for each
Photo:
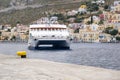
14,68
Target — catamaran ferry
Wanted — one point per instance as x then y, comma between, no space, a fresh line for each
55,35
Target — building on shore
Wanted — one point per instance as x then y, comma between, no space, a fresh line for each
90,33
112,17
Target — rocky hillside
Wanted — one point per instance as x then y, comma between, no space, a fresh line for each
26,11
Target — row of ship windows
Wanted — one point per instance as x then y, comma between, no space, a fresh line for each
49,29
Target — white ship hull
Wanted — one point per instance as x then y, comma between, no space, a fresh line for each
35,44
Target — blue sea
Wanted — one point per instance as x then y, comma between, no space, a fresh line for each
104,55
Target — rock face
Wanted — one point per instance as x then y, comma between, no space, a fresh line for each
20,2
14,3
13,68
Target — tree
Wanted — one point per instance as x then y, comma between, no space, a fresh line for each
91,19
18,22
78,20
113,32
71,16
106,7
0,33
96,7
76,30
89,22
9,30
60,16
118,38
93,7
107,30
101,22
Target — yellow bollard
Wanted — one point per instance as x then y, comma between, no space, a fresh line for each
22,54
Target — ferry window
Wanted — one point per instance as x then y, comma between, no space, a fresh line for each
65,29
62,29
33,29
59,29
48,29
37,29
44,29
53,29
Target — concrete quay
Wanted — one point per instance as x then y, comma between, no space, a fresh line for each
15,68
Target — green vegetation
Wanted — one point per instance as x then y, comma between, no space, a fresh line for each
106,7
0,33
111,31
107,30
92,6
79,20
89,22
60,16
118,38
101,21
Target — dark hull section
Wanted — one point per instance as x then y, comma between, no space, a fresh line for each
56,44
